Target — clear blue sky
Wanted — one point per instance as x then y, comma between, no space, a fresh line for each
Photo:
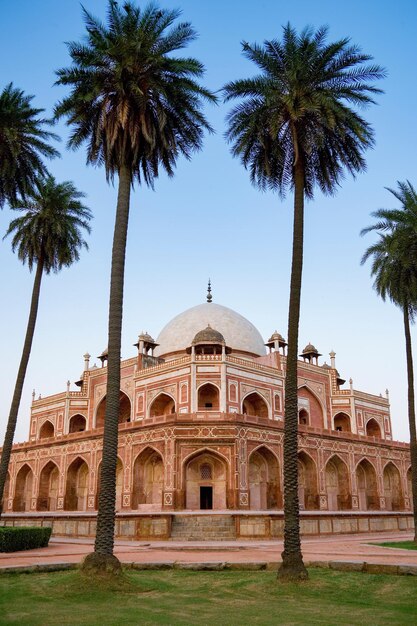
208,220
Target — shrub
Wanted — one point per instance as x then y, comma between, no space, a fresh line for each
13,539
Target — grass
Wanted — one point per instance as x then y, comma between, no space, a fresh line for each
200,598
405,545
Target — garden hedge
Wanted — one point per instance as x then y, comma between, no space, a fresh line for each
13,539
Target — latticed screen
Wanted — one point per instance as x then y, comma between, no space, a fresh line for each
205,471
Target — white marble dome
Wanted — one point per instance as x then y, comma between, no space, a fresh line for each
239,333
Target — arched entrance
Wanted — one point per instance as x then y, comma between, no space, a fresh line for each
373,429
264,486
148,480
307,483
254,404
205,482
341,422
163,404
77,423
303,418
337,485
23,491
124,410
392,488
367,486
308,401
208,398
48,487
119,484
47,430
77,486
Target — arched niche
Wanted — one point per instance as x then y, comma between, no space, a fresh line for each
341,422
76,486
307,482
48,487
47,430
254,404
393,492
373,429
264,483
303,417
312,405
208,398
367,486
119,484
163,404
77,423
337,485
206,481
124,410
148,480
23,490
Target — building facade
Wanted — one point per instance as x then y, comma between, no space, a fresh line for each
201,428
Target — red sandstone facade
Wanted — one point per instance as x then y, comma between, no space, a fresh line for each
201,427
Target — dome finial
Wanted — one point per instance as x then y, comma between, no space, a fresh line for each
209,296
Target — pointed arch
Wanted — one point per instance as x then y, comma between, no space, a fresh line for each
148,479
254,404
310,401
208,395
48,487
162,404
47,430
77,423
23,489
337,484
203,490
125,410
307,482
393,493
76,488
367,486
264,480
373,429
342,422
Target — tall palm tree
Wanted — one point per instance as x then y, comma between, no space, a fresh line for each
48,236
23,143
394,267
294,128
138,108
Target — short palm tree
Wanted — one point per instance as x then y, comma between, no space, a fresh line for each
23,143
294,128
48,236
138,108
394,267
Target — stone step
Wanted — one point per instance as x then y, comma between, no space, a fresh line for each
201,528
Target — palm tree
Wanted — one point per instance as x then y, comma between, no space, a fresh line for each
138,108
23,141
394,267
294,128
48,237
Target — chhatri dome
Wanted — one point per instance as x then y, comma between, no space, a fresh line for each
239,334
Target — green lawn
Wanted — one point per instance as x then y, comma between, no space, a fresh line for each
406,545
187,598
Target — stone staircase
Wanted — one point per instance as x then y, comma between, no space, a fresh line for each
203,528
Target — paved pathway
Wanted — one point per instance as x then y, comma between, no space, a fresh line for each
330,548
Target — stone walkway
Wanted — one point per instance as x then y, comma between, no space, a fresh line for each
341,549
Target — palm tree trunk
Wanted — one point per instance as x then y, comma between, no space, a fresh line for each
411,415
17,395
103,550
292,567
